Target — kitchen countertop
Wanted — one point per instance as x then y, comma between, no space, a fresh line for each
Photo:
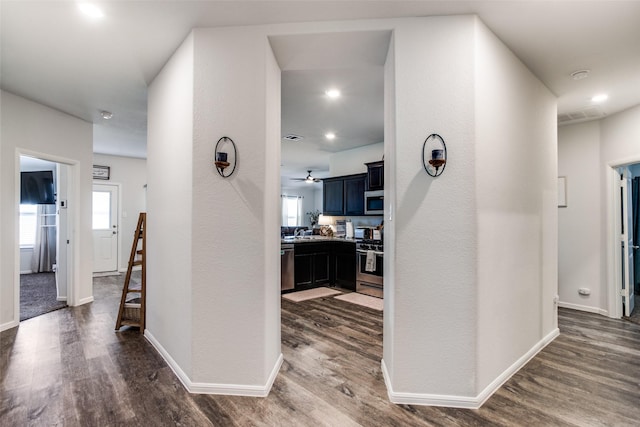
314,239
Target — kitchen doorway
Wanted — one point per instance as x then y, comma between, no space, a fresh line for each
332,123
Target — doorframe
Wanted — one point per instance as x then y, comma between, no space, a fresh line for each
118,216
614,270
73,224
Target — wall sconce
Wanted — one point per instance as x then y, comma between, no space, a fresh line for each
436,153
221,157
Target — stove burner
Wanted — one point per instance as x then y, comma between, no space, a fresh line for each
371,245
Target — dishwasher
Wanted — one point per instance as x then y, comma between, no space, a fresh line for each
287,260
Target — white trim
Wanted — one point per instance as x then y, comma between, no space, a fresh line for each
26,272
9,325
86,300
61,298
210,388
467,402
587,308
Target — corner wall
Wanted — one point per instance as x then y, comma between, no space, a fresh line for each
515,172
170,210
431,328
236,268
29,126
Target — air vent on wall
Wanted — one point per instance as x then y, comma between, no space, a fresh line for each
293,137
591,113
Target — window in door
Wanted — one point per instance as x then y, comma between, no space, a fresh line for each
101,210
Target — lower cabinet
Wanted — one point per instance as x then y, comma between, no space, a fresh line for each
312,264
325,264
345,265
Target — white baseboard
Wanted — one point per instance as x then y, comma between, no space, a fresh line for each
9,325
210,388
587,308
61,298
26,272
86,300
467,402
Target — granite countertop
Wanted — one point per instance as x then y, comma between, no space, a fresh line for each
312,239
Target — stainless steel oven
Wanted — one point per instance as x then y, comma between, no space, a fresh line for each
369,280
374,202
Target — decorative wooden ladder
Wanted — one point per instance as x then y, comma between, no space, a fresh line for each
132,312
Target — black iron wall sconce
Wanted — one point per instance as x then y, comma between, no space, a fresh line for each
436,153
221,158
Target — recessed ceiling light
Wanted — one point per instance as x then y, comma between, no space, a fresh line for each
330,135
91,10
580,74
332,93
600,98
107,115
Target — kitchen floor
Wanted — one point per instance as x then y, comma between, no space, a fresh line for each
70,368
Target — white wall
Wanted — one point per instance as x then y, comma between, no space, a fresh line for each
235,262
586,152
516,202
34,128
131,174
580,242
170,208
214,279
348,162
435,233
435,228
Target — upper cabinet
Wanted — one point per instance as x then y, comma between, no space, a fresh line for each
344,195
375,175
333,196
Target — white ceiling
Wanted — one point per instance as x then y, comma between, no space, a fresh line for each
52,54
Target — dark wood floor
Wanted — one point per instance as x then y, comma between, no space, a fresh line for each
70,368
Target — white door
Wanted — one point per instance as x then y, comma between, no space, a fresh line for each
627,244
105,228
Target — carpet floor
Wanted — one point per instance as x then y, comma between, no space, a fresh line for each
38,295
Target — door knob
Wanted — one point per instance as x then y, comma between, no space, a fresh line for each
635,247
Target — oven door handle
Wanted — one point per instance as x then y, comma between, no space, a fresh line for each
362,251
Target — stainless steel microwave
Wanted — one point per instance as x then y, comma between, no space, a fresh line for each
374,202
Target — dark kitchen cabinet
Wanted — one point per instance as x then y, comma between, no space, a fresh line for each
312,265
375,175
333,196
354,195
344,195
345,265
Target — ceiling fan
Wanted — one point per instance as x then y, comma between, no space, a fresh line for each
308,179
